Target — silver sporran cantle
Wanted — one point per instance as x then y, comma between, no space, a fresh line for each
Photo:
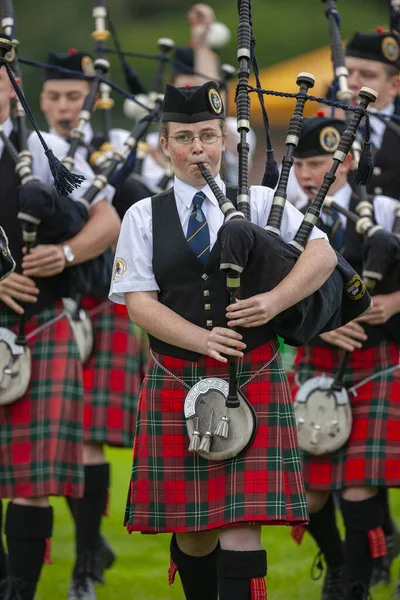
323,415
15,367
215,431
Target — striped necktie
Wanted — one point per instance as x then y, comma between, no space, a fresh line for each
335,229
198,233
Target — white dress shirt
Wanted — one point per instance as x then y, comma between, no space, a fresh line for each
383,208
40,164
135,243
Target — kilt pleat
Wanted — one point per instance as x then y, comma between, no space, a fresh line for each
173,490
112,376
371,456
41,433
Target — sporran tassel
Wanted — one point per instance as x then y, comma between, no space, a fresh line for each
223,428
205,443
194,444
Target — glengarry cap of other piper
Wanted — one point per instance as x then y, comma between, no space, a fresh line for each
381,46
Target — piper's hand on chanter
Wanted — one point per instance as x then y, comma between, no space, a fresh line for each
349,337
252,312
221,341
44,260
17,287
384,307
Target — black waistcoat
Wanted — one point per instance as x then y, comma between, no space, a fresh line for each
51,288
386,177
195,291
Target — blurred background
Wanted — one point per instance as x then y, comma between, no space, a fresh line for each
291,36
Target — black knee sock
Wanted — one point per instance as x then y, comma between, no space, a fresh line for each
387,519
90,509
241,572
324,530
360,519
72,506
27,529
3,556
198,573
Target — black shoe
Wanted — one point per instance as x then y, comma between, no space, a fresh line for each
104,558
381,568
82,588
358,591
334,587
16,589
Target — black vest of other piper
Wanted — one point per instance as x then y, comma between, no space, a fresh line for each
353,243
195,291
386,176
51,288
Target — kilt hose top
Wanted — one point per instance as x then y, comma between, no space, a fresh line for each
41,433
173,490
112,375
371,456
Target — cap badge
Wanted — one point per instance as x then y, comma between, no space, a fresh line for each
215,101
87,66
329,139
390,49
119,268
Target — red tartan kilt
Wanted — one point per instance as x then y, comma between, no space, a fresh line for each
41,433
175,490
112,376
372,455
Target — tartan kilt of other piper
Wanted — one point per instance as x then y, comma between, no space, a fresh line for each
174,490
371,456
112,375
41,433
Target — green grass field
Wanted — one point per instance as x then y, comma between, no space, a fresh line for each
140,572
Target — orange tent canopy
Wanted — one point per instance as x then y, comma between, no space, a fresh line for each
282,78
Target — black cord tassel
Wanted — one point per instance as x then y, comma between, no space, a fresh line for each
271,173
65,181
365,166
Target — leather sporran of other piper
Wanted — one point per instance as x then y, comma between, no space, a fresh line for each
82,327
323,415
215,431
15,367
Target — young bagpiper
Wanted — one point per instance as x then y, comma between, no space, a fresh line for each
41,429
370,460
167,272
113,373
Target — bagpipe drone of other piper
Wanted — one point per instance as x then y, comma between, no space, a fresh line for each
41,211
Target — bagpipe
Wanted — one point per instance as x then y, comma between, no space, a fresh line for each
43,211
322,405
256,260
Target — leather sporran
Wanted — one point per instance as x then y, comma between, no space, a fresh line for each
215,431
15,367
323,416
82,327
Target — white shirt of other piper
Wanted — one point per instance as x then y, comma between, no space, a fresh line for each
383,208
135,243
118,138
40,165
